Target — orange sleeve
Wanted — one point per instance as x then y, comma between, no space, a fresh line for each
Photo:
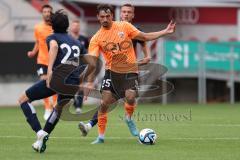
94,48
131,30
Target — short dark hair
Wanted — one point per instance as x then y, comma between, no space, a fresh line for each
128,5
104,7
60,22
46,6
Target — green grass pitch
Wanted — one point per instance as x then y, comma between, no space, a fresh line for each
185,132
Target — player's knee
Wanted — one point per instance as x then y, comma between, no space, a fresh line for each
105,102
59,108
103,110
103,107
130,100
23,98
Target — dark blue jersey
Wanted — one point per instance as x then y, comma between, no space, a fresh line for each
69,51
84,41
135,41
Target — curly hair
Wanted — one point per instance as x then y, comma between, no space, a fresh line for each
60,21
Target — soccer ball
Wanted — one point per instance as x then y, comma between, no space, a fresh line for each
147,136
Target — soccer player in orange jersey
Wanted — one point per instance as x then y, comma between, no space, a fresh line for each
114,41
41,32
126,14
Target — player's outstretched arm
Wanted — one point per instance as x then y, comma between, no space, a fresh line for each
155,35
53,49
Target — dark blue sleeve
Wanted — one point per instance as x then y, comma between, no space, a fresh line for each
86,42
83,50
139,41
49,38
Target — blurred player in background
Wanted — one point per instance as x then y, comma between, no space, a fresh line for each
41,32
114,41
126,14
75,29
75,33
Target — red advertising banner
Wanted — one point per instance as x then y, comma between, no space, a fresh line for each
187,15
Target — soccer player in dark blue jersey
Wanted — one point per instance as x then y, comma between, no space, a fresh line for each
63,50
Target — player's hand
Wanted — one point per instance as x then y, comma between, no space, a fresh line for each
87,87
49,77
30,54
145,60
171,27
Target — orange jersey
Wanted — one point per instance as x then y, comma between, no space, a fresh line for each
41,32
116,46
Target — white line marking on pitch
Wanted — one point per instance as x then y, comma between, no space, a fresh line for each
181,138
148,123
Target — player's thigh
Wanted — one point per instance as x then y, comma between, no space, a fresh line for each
130,94
108,97
39,91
